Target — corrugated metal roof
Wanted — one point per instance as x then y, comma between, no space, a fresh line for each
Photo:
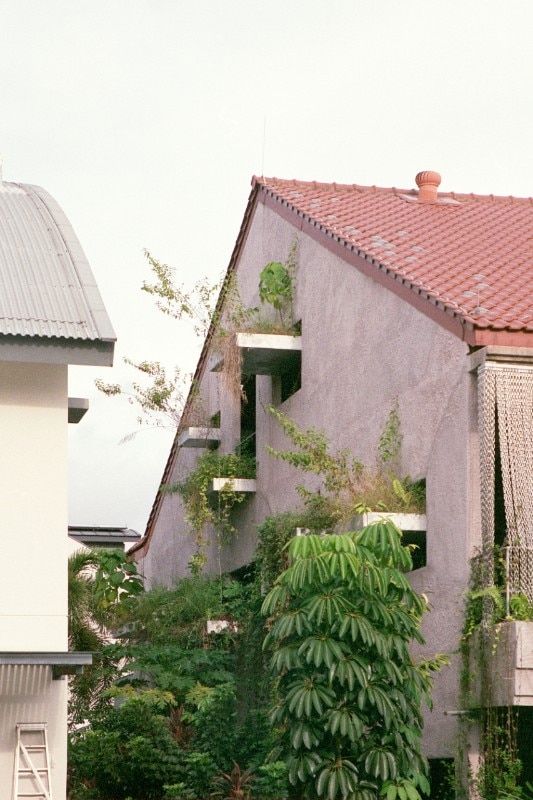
47,289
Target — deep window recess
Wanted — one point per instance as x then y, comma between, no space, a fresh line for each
291,378
246,445
419,552
442,778
286,382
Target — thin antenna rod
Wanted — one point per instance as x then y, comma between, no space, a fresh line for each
264,145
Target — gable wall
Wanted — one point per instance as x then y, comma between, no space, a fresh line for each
362,348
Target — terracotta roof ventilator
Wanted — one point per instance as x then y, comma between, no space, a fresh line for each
428,182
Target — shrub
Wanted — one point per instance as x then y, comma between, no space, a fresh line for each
349,693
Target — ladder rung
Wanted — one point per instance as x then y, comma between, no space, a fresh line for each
31,771
31,726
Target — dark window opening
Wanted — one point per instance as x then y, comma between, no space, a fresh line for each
248,407
524,743
291,377
419,551
442,778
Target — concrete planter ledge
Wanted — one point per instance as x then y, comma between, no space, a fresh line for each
405,522
199,437
265,353
247,485
508,652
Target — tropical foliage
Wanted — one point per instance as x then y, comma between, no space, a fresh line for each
101,583
348,486
186,703
349,695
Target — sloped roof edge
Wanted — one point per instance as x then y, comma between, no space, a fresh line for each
200,367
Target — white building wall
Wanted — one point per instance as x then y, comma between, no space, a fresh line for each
28,694
33,523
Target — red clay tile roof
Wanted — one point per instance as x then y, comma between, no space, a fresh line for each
471,255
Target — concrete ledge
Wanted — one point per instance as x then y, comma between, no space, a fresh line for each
234,484
405,522
508,655
265,353
199,437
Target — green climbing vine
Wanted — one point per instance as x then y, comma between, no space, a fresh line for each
500,768
350,486
203,507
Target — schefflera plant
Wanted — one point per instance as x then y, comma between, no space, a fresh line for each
349,694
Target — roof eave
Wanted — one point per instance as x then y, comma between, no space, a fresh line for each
41,350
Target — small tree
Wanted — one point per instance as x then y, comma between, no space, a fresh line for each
101,583
349,693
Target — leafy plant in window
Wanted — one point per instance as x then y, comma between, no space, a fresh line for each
276,288
276,285
349,694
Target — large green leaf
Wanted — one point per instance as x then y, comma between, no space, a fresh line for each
351,672
303,733
302,766
321,650
336,778
345,722
357,628
380,763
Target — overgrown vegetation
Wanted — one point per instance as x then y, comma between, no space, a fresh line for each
101,586
348,486
161,396
205,508
186,703
337,714
500,768
188,713
348,692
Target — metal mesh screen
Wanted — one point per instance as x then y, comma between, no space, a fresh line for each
506,399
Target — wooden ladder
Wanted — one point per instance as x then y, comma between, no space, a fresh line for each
31,777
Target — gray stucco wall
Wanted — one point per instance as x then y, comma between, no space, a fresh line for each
362,348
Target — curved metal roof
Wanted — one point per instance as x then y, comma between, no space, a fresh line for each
47,289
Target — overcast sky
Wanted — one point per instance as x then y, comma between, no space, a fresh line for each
146,119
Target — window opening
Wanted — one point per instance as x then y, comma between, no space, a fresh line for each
290,379
442,778
247,445
419,552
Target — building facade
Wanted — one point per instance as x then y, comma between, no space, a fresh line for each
416,300
51,315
